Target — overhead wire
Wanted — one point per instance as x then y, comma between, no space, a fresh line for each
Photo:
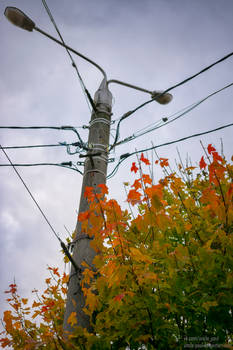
68,165
85,91
60,144
66,251
127,155
65,127
167,120
129,113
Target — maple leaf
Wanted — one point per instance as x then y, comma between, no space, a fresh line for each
163,162
88,192
137,184
104,188
133,197
216,157
83,216
119,297
134,167
202,163
210,148
146,179
144,160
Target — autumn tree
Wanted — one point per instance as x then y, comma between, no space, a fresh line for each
163,276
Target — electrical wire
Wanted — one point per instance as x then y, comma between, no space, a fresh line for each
127,155
65,127
60,144
42,213
167,120
85,91
129,113
68,165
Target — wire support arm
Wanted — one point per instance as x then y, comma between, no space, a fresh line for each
72,50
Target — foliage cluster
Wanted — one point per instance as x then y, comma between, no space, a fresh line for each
163,277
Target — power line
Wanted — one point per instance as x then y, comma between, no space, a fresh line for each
37,146
42,213
126,115
68,165
64,127
85,91
164,121
127,155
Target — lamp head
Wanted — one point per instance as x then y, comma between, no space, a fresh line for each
161,98
19,19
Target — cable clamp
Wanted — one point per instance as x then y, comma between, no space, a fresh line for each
93,145
100,120
79,238
104,111
111,160
101,157
94,170
80,163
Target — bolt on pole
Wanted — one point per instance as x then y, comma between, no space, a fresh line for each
95,171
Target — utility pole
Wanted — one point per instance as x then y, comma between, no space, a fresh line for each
95,171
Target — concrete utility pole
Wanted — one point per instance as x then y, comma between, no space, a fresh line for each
95,170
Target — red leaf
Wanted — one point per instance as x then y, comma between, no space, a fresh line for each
137,184
119,297
134,168
134,197
202,163
144,160
88,191
216,157
146,179
104,188
210,148
83,216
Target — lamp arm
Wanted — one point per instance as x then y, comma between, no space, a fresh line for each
129,85
72,50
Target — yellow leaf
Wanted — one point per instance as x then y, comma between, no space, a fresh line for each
138,256
72,320
24,301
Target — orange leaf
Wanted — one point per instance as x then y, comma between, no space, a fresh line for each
163,162
133,197
88,192
83,216
119,297
72,320
137,184
144,160
202,163
216,157
104,188
146,179
210,149
134,168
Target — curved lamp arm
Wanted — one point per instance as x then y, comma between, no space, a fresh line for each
21,20
156,95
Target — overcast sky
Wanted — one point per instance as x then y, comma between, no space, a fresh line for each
150,43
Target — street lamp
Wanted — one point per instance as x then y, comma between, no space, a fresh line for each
159,96
21,20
